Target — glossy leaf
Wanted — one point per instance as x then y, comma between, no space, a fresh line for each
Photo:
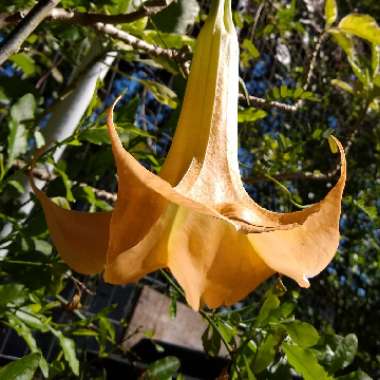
17,141
331,12
24,108
266,352
176,18
162,369
302,333
343,85
304,362
363,26
21,369
271,303
68,349
24,331
14,294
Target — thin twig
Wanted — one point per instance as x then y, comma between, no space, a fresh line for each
23,30
138,44
268,104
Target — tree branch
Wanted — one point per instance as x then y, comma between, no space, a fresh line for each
139,44
149,8
22,31
103,23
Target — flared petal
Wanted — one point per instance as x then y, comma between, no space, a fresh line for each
148,255
81,238
212,262
143,198
305,250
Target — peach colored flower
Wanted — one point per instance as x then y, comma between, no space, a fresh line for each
195,217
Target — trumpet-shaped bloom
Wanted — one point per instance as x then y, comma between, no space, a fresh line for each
195,218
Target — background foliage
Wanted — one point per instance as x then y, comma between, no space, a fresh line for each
328,331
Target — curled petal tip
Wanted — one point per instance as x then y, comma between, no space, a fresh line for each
304,282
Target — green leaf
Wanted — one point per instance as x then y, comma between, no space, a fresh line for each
66,182
250,115
100,136
249,52
162,93
251,48
211,341
227,330
345,42
283,91
39,139
248,370
245,359
85,332
266,352
21,369
361,25
26,315
341,352
177,17
375,60
331,12
106,326
271,303
174,295
347,350
61,202
304,362
14,294
24,108
162,369
302,333
17,141
342,85
24,331
68,348
16,184
168,40
25,62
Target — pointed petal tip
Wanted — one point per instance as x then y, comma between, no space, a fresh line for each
304,282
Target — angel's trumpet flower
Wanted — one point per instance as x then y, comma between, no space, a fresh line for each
195,218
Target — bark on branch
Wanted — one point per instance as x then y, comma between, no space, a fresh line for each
23,29
149,8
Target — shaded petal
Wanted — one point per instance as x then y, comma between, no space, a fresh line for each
211,261
143,198
148,255
305,250
81,238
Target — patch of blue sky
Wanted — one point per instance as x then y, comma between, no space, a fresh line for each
361,292
331,270
257,87
9,71
332,122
